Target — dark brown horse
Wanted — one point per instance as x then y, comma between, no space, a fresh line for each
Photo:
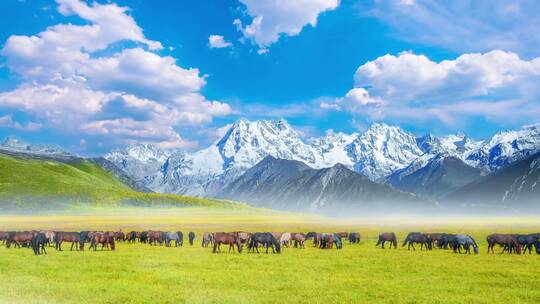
230,238
156,237
418,238
327,241
387,237
343,234
20,238
435,239
509,242
73,237
106,239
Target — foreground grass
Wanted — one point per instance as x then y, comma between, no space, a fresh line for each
136,273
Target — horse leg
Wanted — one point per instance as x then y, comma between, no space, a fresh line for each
382,245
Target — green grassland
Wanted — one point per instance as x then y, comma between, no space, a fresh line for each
36,184
361,273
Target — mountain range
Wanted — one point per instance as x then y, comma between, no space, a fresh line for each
292,185
433,168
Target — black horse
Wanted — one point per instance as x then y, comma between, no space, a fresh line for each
354,237
528,241
265,239
191,237
417,237
38,243
446,240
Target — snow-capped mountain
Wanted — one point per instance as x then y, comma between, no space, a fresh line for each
506,147
15,145
139,161
377,153
382,149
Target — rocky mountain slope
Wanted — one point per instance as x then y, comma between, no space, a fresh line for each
292,185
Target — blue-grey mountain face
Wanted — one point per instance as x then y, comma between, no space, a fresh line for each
513,186
434,177
292,185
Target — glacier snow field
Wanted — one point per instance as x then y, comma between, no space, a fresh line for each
359,273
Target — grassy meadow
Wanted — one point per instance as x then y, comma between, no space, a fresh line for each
362,273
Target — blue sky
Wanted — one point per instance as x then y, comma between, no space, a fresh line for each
92,76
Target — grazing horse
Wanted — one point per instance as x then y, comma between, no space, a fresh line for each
265,239
509,242
49,235
4,236
299,239
103,238
38,243
286,239
417,237
73,237
23,238
354,237
466,242
144,237
207,239
527,241
343,234
435,239
327,241
191,237
172,236
446,241
133,236
119,236
230,238
387,237
156,237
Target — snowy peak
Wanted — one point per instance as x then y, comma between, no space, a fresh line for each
248,142
142,152
382,149
13,144
506,147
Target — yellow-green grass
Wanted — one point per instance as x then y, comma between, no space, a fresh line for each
139,273
36,184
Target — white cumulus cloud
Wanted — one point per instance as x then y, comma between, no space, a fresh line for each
497,86
218,42
272,18
133,94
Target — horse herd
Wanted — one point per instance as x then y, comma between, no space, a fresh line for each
39,240
511,243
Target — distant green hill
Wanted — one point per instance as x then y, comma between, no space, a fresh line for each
27,183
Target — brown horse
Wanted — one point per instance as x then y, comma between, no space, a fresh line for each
509,242
119,236
103,238
23,238
327,241
387,237
435,239
299,239
73,237
343,235
156,237
230,238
